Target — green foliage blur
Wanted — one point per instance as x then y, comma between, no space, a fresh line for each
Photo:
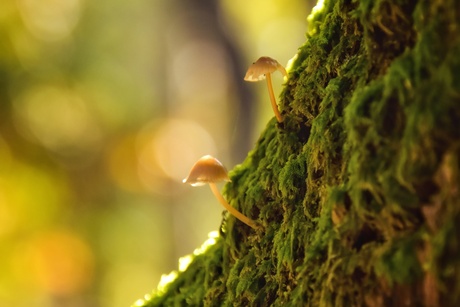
104,107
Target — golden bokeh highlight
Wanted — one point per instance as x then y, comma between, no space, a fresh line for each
50,20
170,148
58,262
57,118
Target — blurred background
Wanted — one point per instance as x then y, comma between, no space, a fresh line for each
104,107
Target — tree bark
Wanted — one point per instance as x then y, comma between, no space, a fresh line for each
358,189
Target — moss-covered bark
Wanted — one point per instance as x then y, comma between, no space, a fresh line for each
358,190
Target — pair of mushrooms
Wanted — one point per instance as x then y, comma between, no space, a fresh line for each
209,170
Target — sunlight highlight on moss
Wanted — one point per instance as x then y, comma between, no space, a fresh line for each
165,280
184,262
290,64
316,9
141,302
213,235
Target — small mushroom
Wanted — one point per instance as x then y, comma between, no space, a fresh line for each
261,69
209,170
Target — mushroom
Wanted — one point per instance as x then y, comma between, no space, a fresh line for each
209,170
261,69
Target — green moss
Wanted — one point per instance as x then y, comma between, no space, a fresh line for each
357,190
397,261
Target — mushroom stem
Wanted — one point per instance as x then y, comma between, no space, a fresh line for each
231,209
272,98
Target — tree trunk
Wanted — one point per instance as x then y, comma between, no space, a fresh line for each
358,189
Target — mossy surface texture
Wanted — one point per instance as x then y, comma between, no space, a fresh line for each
357,191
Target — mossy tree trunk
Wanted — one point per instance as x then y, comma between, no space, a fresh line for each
358,189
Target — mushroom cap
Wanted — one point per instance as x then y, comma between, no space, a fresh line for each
264,65
207,169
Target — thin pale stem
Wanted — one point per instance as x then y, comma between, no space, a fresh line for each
272,98
231,209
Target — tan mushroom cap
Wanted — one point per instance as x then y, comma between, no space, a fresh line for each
264,65
207,169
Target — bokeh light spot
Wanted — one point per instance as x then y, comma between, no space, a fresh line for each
58,119
50,20
42,203
173,147
58,262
